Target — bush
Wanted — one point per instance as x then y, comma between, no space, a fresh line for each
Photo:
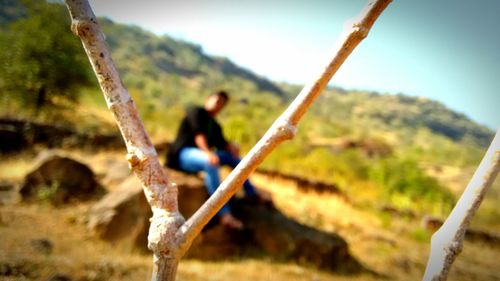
406,186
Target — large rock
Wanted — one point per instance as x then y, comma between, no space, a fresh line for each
123,214
269,232
59,179
284,238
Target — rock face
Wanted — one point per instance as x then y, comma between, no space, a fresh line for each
16,135
269,232
286,239
59,179
123,214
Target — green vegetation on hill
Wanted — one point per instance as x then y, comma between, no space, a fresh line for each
361,141
40,59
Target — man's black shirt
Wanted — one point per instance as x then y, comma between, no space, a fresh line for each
196,121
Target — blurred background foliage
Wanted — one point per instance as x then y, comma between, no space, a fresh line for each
363,142
41,62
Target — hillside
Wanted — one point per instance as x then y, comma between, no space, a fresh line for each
352,139
163,68
144,54
162,72
153,58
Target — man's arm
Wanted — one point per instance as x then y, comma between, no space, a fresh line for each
233,149
201,142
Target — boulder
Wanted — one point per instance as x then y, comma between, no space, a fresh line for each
59,179
267,231
284,238
123,214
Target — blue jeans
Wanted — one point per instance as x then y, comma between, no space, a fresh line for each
193,160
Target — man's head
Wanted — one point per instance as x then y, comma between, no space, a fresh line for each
216,102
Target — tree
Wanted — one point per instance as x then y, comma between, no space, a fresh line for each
170,236
40,59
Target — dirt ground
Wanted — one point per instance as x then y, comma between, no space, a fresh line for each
42,242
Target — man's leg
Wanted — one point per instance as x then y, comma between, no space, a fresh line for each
194,160
227,158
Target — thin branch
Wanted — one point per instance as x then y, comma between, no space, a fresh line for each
166,222
284,127
447,242
164,269
141,156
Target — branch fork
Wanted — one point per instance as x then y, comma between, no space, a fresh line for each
169,235
163,226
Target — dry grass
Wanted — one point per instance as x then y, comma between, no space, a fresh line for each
79,255
395,247
75,253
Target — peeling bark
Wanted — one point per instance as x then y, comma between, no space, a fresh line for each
142,157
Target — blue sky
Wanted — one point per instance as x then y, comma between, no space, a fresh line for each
446,50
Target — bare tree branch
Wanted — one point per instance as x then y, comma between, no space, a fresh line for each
169,237
284,127
141,156
447,242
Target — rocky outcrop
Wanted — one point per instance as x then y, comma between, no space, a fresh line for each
16,135
284,238
59,179
122,215
269,232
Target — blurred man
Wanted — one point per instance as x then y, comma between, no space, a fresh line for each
200,146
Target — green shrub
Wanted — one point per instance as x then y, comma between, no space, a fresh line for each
406,186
